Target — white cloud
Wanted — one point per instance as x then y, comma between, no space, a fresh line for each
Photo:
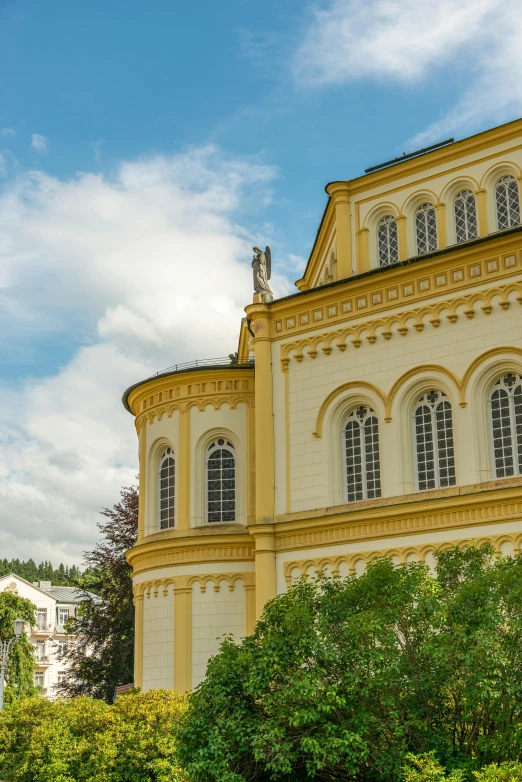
152,266
406,41
7,132
39,143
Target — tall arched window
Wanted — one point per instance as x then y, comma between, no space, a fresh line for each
221,481
506,425
361,441
465,216
434,441
507,202
426,229
167,480
388,242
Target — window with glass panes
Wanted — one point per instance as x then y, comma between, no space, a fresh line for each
62,616
388,241
506,425
361,441
434,445
167,480
41,618
507,202
221,481
426,229
465,216
39,679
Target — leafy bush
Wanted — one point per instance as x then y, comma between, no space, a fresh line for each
426,768
87,740
345,677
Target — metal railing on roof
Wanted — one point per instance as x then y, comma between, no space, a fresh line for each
231,361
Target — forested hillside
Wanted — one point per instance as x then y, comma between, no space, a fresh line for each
63,575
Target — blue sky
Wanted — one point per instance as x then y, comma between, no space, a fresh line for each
144,147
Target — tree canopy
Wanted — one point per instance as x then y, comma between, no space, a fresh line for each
104,657
346,677
21,663
63,575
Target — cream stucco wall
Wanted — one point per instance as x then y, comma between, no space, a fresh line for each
215,614
158,639
313,460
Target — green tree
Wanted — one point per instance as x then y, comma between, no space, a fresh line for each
104,657
85,739
345,677
21,663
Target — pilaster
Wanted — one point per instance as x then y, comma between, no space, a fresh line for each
442,238
363,254
259,315
183,467
338,192
142,455
482,210
402,236
138,640
183,638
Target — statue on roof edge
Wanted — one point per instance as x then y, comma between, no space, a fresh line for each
262,270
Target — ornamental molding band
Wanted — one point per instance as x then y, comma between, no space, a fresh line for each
388,399
396,286
152,588
171,551
399,323
441,509
163,395
354,563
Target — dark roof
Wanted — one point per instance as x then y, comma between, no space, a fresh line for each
64,594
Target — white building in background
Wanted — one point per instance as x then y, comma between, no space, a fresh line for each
54,606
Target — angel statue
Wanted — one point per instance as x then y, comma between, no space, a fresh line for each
262,266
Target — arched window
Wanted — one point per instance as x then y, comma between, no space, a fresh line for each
506,425
167,480
434,441
361,440
388,242
465,216
221,481
426,229
507,202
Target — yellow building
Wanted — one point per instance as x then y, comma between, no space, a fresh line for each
376,411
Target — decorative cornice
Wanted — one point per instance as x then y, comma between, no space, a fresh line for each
451,508
334,565
216,387
399,323
178,583
455,269
149,555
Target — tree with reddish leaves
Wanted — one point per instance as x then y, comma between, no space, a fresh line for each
103,654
